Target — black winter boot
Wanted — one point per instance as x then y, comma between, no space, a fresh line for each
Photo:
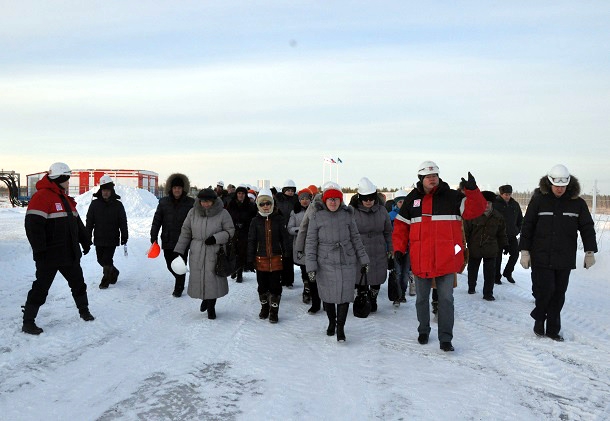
240,277
29,315
331,313
315,298
274,307
85,314
82,303
106,277
114,275
342,310
179,286
264,299
204,306
539,327
373,293
211,308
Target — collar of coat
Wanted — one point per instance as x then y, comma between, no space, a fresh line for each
343,207
216,208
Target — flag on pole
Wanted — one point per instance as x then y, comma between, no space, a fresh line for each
339,160
329,160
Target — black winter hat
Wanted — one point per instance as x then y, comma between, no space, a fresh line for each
60,179
207,194
177,182
507,188
241,189
489,195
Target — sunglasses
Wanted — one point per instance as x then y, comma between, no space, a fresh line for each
560,179
265,204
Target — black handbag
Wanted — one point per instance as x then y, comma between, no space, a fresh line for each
362,303
226,260
394,289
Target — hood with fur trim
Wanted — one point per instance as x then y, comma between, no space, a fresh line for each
572,189
185,179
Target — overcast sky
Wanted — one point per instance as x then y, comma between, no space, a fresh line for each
247,90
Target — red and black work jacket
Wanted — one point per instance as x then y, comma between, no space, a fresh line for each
53,226
431,226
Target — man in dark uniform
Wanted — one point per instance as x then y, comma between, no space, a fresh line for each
55,231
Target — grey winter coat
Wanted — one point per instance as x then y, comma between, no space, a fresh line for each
335,252
299,241
375,230
198,226
294,224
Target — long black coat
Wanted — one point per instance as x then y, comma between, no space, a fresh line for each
106,220
513,216
285,205
241,214
551,225
170,215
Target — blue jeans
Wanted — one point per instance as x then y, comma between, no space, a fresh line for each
402,273
444,287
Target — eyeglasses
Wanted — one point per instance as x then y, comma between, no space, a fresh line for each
265,204
560,179
333,199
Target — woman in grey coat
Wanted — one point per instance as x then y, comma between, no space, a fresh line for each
333,250
375,228
206,227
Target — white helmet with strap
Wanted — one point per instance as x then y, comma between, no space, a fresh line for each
58,169
427,168
559,175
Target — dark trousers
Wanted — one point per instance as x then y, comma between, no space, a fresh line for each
513,256
45,274
287,270
304,276
549,288
489,269
269,282
105,255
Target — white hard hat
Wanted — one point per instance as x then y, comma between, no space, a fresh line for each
427,168
400,194
220,183
289,183
330,185
58,169
365,186
559,175
178,266
105,179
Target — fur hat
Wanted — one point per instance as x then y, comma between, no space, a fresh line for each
242,189
489,195
207,194
507,188
177,182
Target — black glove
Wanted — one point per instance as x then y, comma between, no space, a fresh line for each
123,242
471,184
86,249
364,269
390,263
399,256
153,240
39,256
249,266
300,255
210,240
506,250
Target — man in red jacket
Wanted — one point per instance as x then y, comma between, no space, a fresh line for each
430,222
55,231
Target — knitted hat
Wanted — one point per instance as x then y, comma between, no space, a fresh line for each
177,182
252,196
314,189
207,194
507,188
264,195
331,193
305,193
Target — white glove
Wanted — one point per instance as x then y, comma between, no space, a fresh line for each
525,259
589,259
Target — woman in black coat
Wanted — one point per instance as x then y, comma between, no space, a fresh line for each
242,211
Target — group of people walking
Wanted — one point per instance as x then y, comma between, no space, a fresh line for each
433,231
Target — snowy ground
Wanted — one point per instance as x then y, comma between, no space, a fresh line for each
150,356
